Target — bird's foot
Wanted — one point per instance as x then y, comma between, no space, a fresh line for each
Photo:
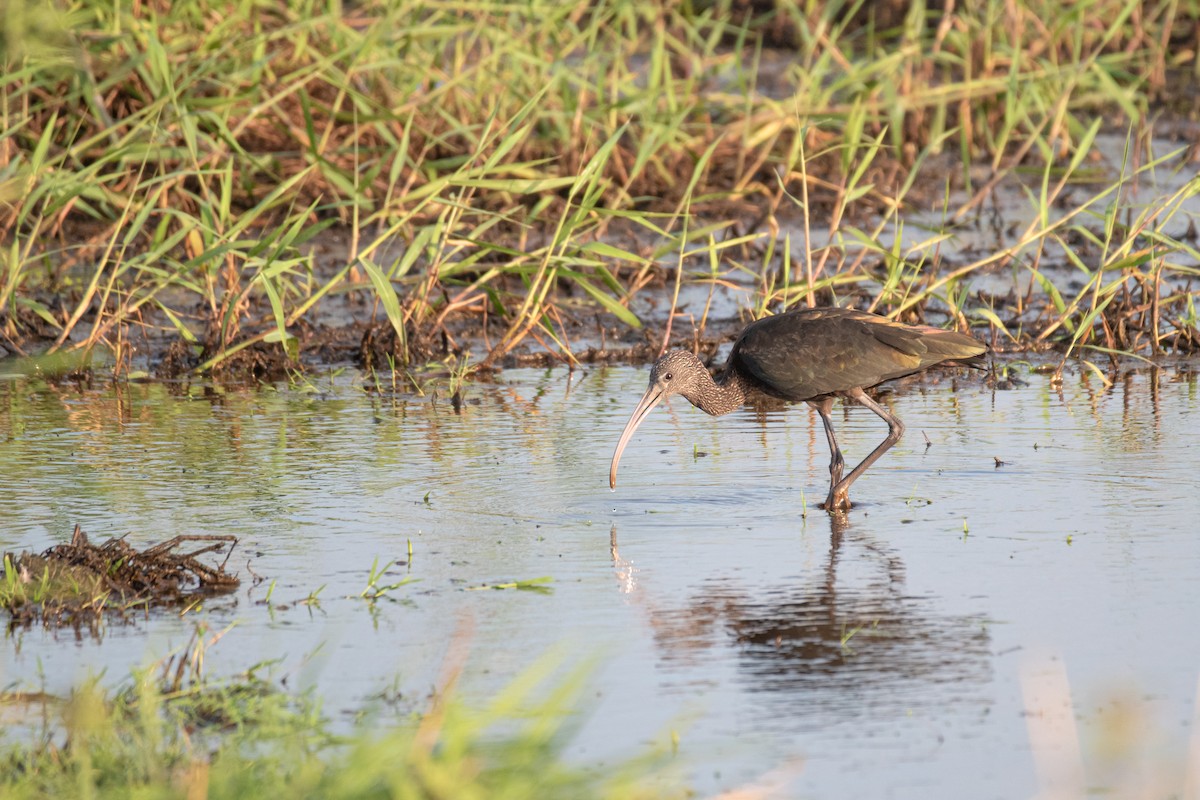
834,504
837,501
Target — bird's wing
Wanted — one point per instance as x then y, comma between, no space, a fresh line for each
807,354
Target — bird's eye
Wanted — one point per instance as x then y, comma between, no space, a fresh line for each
667,377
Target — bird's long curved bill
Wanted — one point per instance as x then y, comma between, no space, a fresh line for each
649,400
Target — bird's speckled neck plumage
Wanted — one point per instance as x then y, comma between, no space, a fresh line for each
721,396
680,372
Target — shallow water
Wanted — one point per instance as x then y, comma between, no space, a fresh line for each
928,647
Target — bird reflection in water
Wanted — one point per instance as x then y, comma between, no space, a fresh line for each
626,572
883,645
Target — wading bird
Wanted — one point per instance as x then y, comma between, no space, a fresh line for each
813,355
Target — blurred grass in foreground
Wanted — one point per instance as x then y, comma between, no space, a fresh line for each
174,733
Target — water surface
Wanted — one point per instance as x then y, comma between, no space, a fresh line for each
919,649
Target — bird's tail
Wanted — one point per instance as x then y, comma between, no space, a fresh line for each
974,362
952,347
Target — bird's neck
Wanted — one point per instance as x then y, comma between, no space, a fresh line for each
721,396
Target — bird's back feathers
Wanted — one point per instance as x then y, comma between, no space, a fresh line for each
809,353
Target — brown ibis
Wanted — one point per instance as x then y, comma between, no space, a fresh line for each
813,355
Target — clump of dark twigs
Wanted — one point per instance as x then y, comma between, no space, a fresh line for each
78,582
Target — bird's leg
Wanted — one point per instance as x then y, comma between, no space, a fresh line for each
839,495
837,463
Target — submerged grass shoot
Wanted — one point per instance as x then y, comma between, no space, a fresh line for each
539,585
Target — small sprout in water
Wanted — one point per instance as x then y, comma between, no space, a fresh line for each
913,499
410,550
374,589
192,607
425,499
674,742
1068,539
848,635
313,598
966,530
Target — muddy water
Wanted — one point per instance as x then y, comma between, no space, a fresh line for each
972,629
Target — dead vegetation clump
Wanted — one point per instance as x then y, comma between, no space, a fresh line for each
81,584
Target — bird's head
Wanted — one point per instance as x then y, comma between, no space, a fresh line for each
676,372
